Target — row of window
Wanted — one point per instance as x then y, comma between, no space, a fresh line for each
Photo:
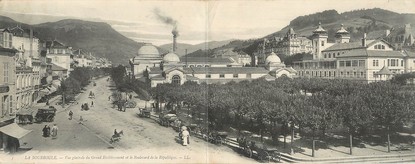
380,47
394,62
391,62
333,74
6,72
221,76
26,81
352,63
199,66
330,55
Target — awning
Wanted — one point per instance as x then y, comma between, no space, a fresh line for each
14,130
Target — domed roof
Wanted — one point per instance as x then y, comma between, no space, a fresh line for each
272,58
171,57
319,29
342,31
148,50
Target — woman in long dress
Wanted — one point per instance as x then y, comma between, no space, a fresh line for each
185,137
54,131
45,131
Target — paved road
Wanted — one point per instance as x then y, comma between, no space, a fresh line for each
144,139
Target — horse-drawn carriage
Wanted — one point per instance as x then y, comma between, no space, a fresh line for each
24,116
252,147
144,112
217,137
167,119
116,137
46,114
91,95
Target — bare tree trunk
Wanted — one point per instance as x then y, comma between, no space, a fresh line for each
389,141
314,145
351,142
300,128
292,139
262,135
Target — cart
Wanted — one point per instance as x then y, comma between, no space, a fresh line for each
144,112
24,116
130,104
251,147
45,115
218,137
167,119
264,152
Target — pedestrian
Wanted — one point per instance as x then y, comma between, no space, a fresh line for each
115,132
185,136
54,131
82,107
48,131
109,98
92,103
45,131
70,115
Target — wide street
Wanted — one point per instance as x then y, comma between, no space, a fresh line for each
144,140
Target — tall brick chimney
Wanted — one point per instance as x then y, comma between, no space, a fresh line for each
31,42
364,40
175,33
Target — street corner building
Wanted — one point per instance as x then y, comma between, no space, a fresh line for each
9,131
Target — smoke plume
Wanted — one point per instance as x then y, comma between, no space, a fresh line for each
167,20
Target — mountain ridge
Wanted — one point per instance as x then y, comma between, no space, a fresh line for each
356,22
96,37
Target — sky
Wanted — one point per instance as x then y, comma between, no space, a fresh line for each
196,20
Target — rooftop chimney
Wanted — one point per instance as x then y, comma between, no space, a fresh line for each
175,33
364,40
31,42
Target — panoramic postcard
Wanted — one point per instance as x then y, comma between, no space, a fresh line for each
207,81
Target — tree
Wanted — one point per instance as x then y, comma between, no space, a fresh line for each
353,113
390,106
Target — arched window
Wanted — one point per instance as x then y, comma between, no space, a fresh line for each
176,79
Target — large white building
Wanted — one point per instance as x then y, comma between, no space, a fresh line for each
28,67
147,57
60,54
288,45
366,61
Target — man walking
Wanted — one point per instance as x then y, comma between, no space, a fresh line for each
70,115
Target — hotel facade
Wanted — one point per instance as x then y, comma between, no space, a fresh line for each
366,61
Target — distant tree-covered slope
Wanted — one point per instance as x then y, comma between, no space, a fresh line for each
356,22
96,37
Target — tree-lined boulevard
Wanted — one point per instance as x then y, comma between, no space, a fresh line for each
306,118
311,107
